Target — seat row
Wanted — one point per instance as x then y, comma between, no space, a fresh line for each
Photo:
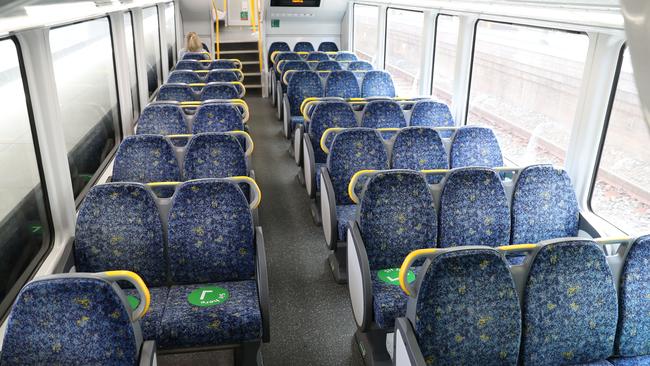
197,77
173,118
344,56
181,92
326,46
206,65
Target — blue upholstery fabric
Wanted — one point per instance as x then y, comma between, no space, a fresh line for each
236,320
69,321
467,310
219,91
188,65
176,92
119,227
475,146
196,56
294,65
214,155
630,361
329,115
353,150
432,114
317,56
342,84
473,209
388,301
633,336
346,56
184,76
217,117
359,66
419,148
222,64
570,307
222,76
150,323
303,47
303,84
295,121
278,46
344,214
544,205
383,113
144,159
211,234
328,47
397,215
377,83
288,56
328,66
162,119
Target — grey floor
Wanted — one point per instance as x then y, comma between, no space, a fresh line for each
311,316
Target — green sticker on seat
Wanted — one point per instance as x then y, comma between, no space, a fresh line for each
391,276
208,296
133,301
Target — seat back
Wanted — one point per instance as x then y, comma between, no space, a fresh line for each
475,146
467,310
162,119
277,46
383,113
144,159
342,84
288,56
345,56
303,84
397,215
432,114
196,56
303,47
473,209
328,47
176,92
221,75
418,148
328,65
329,115
217,117
377,83
317,56
219,91
184,76
293,65
569,305
188,65
360,66
70,319
223,64
211,236
351,151
544,205
214,155
119,227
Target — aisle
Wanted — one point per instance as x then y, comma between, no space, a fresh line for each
311,316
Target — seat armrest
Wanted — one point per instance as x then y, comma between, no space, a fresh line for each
261,276
286,121
359,280
309,165
585,226
406,350
148,353
328,209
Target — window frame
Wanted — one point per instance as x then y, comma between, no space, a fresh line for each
388,8
354,5
136,109
48,226
174,41
435,47
160,81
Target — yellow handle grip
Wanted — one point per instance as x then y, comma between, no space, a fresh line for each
408,262
136,280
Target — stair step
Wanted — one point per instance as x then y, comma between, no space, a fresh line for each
253,86
252,74
238,52
235,46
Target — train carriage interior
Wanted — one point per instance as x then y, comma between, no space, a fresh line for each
325,182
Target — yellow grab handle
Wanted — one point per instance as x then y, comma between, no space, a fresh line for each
250,145
256,189
162,184
143,291
323,138
353,183
408,261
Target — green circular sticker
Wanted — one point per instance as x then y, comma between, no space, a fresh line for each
391,276
133,301
208,296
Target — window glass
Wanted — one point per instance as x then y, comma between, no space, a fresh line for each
86,88
24,229
133,74
404,49
444,57
152,48
621,193
170,26
525,85
366,21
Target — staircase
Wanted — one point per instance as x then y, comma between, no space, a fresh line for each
248,54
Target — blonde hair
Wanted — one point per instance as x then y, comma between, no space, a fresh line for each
193,43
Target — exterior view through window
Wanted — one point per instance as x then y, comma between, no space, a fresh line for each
444,58
366,20
525,84
170,28
404,49
152,48
621,192
24,228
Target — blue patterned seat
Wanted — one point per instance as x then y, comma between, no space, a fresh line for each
303,47
277,46
196,56
544,205
176,92
222,76
188,65
345,56
317,56
473,209
184,76
342,84
569,306
223,64
360,66
68,319
144,159
467,310
288,56
328,65
432,114
291,65
419,148
377,83
303,84
382,114
217,117
328,115
328,47
214,155
475,146
219,91
162,119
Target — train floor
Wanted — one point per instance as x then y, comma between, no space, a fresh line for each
311,315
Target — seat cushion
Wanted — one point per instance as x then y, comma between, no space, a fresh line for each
344,213
389,301
630,361
236,320
150,323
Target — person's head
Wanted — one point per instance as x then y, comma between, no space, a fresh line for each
193,42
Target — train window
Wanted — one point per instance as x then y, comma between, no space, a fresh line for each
133,74
86,87
152,47
525,84
621,191
444,57
404,48
170,28
24,221
366,21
